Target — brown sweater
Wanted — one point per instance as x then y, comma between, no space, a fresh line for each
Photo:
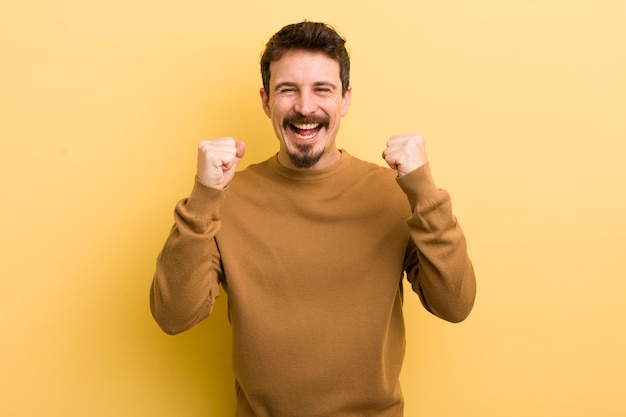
313,263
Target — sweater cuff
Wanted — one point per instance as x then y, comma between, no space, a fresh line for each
205,201
419,185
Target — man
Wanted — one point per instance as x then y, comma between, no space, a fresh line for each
312,246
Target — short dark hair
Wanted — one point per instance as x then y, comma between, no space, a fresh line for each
307,36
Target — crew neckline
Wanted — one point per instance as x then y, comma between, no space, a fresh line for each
310,174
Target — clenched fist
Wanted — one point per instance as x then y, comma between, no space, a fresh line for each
405,153
217,161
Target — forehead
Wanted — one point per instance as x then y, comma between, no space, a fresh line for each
305,67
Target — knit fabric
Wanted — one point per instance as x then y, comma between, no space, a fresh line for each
313,263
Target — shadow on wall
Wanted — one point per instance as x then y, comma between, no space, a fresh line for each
154,373
186,374
199,361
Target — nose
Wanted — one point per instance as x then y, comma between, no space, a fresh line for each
305,103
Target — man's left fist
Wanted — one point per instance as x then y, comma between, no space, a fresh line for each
405,153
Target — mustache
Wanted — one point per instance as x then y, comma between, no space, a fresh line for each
301,119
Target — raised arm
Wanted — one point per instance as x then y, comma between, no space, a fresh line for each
188,270
437,263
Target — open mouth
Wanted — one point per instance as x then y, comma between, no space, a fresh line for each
304,128
305,131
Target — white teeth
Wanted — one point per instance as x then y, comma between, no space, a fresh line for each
309,126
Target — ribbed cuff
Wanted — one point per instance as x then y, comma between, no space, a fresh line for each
205,201
419,185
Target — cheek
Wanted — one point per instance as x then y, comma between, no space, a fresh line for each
278,112
281,103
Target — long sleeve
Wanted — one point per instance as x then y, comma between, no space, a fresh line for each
188,270
437,264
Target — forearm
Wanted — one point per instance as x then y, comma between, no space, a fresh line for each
438,266
188,271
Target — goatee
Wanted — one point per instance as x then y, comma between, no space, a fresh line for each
305,158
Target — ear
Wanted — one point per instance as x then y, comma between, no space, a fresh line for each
265,102
345,101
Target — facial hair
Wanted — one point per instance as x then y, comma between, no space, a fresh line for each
305,157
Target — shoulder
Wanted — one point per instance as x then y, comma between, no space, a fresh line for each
371,171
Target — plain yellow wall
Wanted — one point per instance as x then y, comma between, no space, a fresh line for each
523,107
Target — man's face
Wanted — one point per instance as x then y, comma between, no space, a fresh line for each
306,105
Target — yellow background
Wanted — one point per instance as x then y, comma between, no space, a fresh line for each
522,104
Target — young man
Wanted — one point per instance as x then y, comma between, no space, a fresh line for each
312,246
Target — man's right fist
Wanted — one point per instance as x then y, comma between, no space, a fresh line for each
217,161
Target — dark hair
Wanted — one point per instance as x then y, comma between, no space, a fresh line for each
307,36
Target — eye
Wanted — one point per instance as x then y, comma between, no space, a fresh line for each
285,90
325,89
